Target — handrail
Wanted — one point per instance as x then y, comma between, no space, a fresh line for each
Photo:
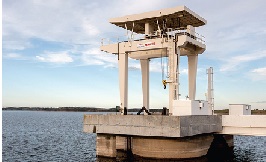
169,33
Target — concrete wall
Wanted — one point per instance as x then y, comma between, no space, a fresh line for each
254,125
152,125
154,147
175,148
106,145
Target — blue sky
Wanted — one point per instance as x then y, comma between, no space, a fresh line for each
51,57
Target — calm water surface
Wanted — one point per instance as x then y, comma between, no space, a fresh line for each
58,136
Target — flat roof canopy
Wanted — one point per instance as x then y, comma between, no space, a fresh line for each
177,17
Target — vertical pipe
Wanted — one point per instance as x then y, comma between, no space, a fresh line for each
210,91
177,71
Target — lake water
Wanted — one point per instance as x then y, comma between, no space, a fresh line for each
57,136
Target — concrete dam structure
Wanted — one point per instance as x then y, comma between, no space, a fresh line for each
189,129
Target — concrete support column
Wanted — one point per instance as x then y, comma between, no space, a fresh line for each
145,82
192,74
123,81
191,30
106,145
148,29
174,57
171,59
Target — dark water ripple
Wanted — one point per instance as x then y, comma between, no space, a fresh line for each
57,136
250,148
45,136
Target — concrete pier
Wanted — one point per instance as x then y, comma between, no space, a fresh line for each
152,125
156,136
106,145
172,148
191,130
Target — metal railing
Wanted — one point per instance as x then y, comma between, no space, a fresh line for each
129,37
187,32
122,38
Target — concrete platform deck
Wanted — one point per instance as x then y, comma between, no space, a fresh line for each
157,125
251,125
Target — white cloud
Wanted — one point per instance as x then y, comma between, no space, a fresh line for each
89,28
260,71
13,55
16,44
251,57
230,31
231,64
258,74
94,56
72,23
62,57
92,51
89,59
183,71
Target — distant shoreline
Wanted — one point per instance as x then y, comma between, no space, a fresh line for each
93,109
74,109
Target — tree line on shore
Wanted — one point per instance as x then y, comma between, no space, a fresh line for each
78,109
94,109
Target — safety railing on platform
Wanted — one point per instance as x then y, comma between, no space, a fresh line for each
122,38
187,32
129,37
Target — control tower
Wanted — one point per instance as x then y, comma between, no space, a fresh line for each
165,33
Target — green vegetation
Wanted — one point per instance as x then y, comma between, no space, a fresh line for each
77,109
253,112
93,109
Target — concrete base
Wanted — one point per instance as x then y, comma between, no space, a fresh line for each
106,145
123,137
171,148
152,125
126,148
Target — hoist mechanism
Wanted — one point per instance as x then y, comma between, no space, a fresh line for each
162,32
163,72
164,84
131,36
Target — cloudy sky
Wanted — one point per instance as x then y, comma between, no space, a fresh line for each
51,57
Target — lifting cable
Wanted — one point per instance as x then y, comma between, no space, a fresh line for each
132,36
162,66
162,60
